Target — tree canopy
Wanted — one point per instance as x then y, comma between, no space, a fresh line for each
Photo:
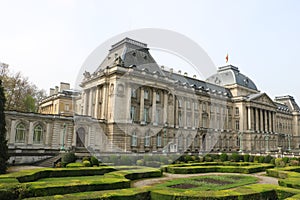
21,95
3,142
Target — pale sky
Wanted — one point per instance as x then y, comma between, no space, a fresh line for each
48,41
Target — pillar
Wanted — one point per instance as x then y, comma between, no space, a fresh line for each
30,134
128,104
48,131
270,121
142,105
104,100
249,118
266,120
153,120
257,119
96,115
84,102
165,112
184,114
261,120
193,115
12,132
90,113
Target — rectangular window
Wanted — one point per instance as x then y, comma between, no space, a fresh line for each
147,139
196,105
146,114
133,93
132,113
134,139
146,94
204,107
180,119
159,139
237,124
237,111
179,103
196,120
157,116
67,107
188,104
157,97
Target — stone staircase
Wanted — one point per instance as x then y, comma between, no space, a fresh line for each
49,162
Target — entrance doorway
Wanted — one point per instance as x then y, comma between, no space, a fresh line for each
80,137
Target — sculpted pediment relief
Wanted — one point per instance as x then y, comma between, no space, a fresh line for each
262,98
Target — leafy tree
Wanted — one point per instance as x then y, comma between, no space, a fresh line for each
3,142
21,95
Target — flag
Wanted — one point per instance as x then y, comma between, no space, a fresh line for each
226,58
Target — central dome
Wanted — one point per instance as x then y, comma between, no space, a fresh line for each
230,75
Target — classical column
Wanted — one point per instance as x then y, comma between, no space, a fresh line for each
176,121
153,120
193,115
30,134
184,114
90,103
165,114
257,119
266,120
104,100
249,118
261,121
48,131
96,103
142,105
270,121
12,136
200,114
84,102
128,109
274,121
252,118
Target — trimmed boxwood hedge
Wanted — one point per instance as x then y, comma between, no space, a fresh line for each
192,169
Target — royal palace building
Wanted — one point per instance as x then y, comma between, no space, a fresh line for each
130,104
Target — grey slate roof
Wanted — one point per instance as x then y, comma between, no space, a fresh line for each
228,75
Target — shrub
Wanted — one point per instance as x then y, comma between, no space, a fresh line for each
256,159
272,161
74,165
294,162
140,162
267,159
152,164
235,157
58,165
85,158
246,158
68,158
86,163
285,159
251,158
261,159
94,161
207,158
279,162
223,157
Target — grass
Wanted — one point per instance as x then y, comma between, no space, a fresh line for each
209,183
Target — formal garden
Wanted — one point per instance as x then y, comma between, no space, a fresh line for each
213,176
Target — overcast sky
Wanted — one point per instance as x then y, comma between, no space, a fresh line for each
48,41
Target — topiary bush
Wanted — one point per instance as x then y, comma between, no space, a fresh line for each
94,161
86,163
235,157
74,165
279,162
140,162
246,158
251,158
267,159
223,157
261,159
85,158
68,158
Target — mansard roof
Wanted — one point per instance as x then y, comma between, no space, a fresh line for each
289,101
229,75
129,52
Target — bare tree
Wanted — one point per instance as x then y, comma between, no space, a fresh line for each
21,95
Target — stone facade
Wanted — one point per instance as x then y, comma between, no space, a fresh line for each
132,105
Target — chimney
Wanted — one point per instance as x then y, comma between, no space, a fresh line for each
56,90
194,76
179,71
52,91
185,73
64,86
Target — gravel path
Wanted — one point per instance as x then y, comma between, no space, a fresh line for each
166,176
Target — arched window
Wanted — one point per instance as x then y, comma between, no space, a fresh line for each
147,139
38,134
20,133
134,139
159,140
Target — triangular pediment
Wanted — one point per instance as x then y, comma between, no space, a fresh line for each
262,98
